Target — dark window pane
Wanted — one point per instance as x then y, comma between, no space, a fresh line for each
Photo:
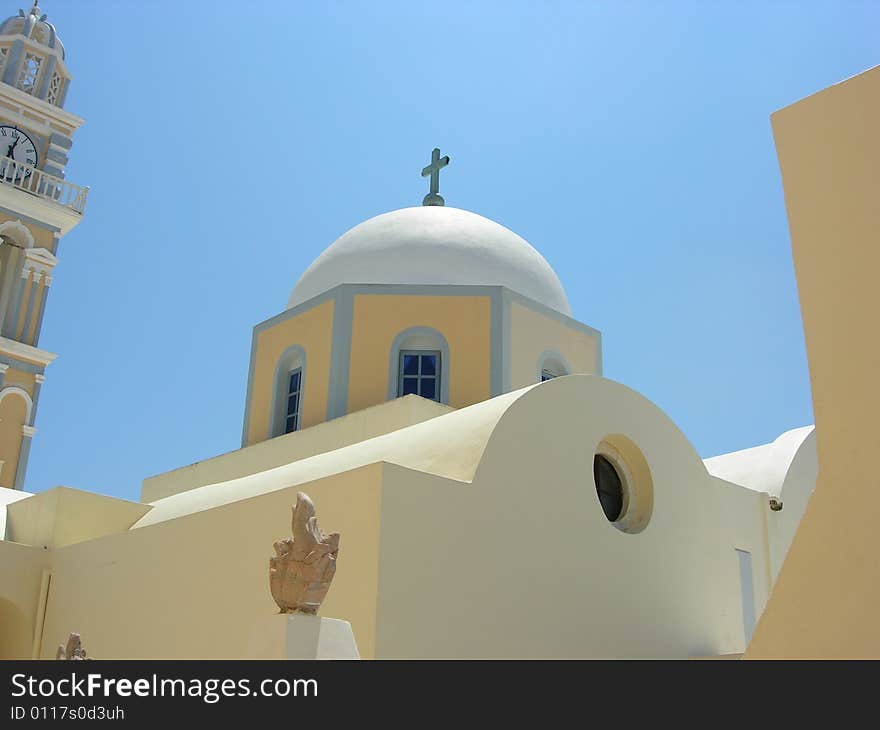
293,405
294,381
427,388
608,487
291,424
410,364
429,364
410,385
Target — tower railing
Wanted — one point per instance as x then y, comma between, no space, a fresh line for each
42,184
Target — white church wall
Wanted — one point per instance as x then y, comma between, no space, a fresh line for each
743,516
785,469
797,488
523,562
520,562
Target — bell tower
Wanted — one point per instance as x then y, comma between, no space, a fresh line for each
37,207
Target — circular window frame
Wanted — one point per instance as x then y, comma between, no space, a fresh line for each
635,482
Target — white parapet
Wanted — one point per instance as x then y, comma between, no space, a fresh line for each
298,636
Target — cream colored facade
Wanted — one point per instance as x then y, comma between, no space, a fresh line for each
827,598
472,522
462,518
460,505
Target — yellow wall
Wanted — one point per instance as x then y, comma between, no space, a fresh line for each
827,598
26,296
40,294
533,333
313,331
43,238
21,568
12,408
198,587
23,380
378,319
12,414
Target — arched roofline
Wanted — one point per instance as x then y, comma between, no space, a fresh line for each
458,444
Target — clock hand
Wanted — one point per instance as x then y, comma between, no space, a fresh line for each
12,148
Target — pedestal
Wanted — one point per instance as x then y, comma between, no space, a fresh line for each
298,636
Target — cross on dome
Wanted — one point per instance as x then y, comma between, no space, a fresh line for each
437,164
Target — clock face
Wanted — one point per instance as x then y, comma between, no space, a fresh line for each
16,145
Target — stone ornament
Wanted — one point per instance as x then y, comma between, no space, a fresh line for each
73,650
301,573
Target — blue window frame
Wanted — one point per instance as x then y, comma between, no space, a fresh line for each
294,397
419,373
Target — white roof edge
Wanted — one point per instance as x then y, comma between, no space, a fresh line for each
7,497
412,447
760,468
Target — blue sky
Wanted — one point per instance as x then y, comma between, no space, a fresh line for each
228,143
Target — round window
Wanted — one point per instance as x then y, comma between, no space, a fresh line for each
609,487
623,483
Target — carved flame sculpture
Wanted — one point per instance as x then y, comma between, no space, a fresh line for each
301,573
73,650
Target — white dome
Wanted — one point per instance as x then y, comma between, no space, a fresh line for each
433,245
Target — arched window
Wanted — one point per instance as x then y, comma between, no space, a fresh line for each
419,365
15,239
16,411
552,365
24,395
288,391
294,396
